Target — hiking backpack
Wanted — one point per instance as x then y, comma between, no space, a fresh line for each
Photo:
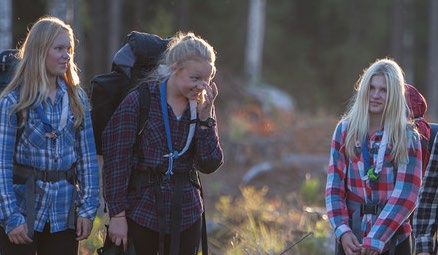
8,61
137,57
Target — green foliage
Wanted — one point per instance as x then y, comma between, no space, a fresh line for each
311,191
97,236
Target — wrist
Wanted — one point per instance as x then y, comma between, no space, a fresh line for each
119,215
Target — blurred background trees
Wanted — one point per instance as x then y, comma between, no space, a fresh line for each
313,50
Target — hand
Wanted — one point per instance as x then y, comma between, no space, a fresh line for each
350,244
19,235
83,228
118,231
205,106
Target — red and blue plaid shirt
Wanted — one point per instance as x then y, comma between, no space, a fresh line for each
205,154
397,189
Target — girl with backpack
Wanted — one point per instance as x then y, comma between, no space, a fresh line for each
152,186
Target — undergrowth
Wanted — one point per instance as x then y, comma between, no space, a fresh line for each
254,225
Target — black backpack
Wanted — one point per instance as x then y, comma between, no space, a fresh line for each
138,56
8,62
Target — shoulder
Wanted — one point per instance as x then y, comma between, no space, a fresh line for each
10,98
412,133
340,131
82,95
342,126
145,88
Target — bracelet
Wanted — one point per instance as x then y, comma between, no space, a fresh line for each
119,216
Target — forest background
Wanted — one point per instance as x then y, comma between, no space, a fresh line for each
285,77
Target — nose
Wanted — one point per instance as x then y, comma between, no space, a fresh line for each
201,85
375,93
67,54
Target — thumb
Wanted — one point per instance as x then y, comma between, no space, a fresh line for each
355,241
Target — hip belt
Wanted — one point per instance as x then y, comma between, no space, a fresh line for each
27,175
141,180
359,210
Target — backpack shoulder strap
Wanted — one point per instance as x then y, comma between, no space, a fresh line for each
145,98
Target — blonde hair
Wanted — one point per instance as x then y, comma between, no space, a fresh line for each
183,47
31,73
395,117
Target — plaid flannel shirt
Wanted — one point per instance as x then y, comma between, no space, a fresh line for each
119,136
34,149
425,217
396,189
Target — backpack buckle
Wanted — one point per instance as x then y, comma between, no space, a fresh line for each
369,209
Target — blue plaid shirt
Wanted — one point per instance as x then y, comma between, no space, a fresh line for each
52,200
205,154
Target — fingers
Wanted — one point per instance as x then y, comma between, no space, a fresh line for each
19,235
83,228
118,232
350,244
214,89
211,91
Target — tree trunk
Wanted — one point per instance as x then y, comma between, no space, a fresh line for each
403,36
5,24
432,74
255,38
396,30
80,40
114,30
408,61
98,37
62,9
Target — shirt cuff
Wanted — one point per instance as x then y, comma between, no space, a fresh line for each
342,229
375,244
115,208
14,221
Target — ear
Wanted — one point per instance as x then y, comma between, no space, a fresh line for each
175,67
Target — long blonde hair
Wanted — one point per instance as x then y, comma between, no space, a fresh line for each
31,73
395,117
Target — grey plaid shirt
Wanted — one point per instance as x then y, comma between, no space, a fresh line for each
425,217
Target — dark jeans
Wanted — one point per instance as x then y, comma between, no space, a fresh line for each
404,248
146,241
45,243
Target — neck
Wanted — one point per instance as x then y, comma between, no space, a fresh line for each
175,100
375,123
174,96
52,88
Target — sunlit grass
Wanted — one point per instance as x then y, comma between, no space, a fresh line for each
253,225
